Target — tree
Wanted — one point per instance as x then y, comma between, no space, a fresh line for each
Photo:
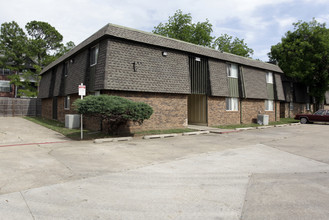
28,54
303,55
44,42
13,43
113,110
225,43
180,26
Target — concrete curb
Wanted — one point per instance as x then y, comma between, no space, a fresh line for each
294,124
103,140
244,129
224,132
159,136
195,133
264,127
283,125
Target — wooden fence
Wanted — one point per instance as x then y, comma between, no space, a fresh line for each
10,107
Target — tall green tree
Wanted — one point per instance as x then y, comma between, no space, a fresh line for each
180,26
236,46
27,54
13,43
44,41
303,54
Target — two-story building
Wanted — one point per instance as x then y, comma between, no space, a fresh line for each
184,83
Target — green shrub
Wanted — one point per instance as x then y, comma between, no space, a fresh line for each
114,110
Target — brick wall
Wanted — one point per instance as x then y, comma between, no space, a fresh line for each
46,108
217,114
252,107
298,108
169,110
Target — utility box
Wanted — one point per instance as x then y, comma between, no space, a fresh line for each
262,119
72,121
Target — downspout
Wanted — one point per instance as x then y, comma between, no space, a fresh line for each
242,93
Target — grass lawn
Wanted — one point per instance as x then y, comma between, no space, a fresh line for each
90,135
282,121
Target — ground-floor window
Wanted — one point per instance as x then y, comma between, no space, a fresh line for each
291,106
269,105
232,104
307,106
67,103
5,86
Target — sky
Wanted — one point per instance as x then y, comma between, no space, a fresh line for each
261,23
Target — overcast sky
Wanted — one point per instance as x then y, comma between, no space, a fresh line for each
261,23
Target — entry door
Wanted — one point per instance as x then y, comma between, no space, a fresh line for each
197,109
55,108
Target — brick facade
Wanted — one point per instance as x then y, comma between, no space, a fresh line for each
217,114
285,111
248,110
169,110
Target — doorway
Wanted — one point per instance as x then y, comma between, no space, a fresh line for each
197,109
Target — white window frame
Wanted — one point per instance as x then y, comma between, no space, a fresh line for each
231,71
93,55
67,102
269,105
232,104
308,107
5,86
269,77
291,106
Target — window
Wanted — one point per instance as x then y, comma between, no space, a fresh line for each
67,102
269,77
269,105
93,55
232,104
5,86
291,106
232,70
307,106
66,68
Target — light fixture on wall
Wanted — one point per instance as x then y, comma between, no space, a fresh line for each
164,53
198,59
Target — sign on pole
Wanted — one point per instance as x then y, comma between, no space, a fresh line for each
82,90
82,93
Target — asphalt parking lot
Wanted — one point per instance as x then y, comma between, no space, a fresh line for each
274,173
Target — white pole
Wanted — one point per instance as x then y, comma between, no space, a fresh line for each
81,123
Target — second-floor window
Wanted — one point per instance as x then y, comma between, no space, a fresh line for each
232,70
66,68
269,77
93,55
